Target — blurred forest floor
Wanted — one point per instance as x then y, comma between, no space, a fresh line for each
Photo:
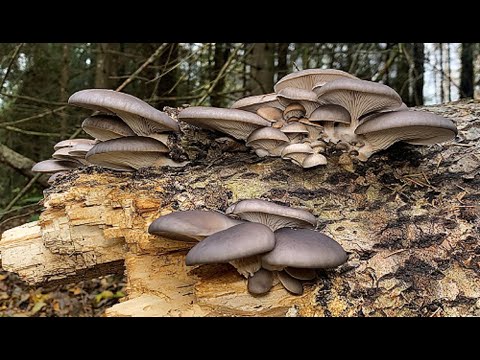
84,298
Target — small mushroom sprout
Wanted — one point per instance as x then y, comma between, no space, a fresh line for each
320,112
266,242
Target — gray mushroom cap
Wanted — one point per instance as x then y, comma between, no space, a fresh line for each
141,117
79,150
359,97
267,139
295,131
413,127
64,154
307,98
297,152
254,103
405,119
266,133
331,112
270,113
273,215
237,123
53,166
237,242
261,282
291,284
128,153
73,142
307,79
301,274
193,225
304,249
106,127
313,160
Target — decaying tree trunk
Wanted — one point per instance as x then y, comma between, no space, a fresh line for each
409,219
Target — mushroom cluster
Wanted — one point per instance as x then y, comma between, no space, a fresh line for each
265,239
68,155
317,111
128,134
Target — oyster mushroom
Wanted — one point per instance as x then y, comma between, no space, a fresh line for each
413,127
295,131
272,215
299,250
267,140
54,165
256,102
260,283
297,152
74,142
359,97
193,225
130,153
106,127
239,245
303,248
335,120
141,117
307,79
237,123
291,96
271,114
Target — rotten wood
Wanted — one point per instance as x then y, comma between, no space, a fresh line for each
409,219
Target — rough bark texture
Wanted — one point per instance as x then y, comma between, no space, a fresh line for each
409,219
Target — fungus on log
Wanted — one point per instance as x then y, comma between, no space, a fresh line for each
408,219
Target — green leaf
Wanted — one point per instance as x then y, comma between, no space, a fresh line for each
118,294
107,294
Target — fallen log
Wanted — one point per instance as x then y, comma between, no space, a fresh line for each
409,219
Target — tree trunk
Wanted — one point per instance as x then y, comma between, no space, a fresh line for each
282,64
408,219
442,74
418,72
467,74
448,74
262,57
64,93
167,84
102,67
220,57
401,82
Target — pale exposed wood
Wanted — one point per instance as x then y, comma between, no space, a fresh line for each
23,252
408,218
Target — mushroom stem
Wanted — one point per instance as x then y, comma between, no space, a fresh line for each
247,266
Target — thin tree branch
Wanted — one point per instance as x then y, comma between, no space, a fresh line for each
22,192
37,100
9,67
19,163
220,74
20,216
151,59
29,132
34,117
393,55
